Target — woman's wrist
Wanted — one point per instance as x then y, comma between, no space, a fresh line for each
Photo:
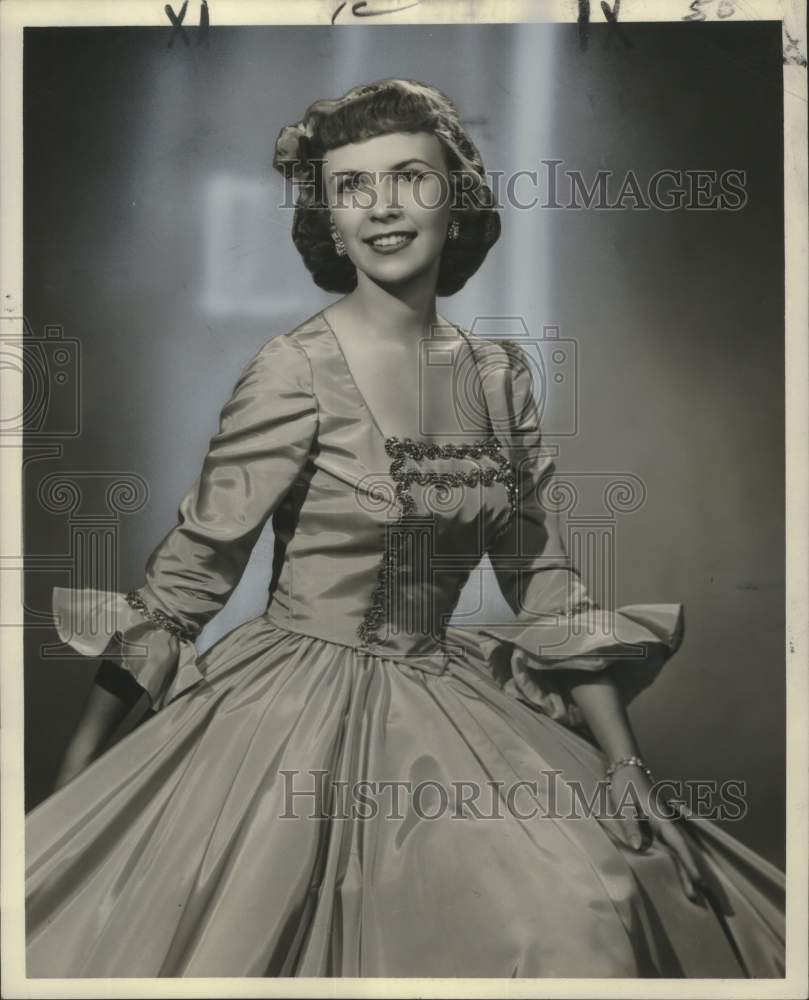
632,762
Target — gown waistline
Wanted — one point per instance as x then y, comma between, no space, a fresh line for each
433,662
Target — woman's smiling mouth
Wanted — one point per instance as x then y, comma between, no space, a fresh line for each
389,242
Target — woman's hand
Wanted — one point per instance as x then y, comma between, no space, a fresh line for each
631,793
642,816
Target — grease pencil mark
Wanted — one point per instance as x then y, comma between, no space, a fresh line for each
583,23
358,9
611,17
178,19
792,52
723,9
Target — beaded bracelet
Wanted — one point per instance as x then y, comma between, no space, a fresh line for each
134,600
631,761
577,609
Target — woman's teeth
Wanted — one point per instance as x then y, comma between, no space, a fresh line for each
390,241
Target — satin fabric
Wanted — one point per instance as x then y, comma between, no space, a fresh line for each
190,848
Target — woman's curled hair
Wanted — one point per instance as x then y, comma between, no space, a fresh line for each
366,111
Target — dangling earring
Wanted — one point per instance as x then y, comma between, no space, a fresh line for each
339,246
454,230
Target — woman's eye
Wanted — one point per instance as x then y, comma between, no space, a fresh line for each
351,181
409,174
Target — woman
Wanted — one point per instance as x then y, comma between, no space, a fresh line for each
217,839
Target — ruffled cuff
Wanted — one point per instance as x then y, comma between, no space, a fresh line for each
96,622
637,639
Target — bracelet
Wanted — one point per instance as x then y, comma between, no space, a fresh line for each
577,609
632,761
134,600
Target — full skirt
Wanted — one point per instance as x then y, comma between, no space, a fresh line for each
228,836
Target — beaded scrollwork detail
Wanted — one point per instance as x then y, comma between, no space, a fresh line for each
134,600
399,451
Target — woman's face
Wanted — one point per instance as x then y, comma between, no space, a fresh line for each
389,200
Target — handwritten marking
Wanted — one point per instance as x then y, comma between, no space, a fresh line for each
177,22
611,17
178,19
724,10
617,30
204,22
583,23
358,9
792,53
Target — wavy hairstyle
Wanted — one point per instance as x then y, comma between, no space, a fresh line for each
369,110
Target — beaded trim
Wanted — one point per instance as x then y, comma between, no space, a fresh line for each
398,451
577,609
367,631
134,600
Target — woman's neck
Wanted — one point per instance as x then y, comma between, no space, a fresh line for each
396,318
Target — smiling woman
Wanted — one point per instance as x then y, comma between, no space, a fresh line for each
392,451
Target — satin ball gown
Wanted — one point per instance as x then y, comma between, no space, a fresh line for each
207,841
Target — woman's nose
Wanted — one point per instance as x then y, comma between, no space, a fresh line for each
386,203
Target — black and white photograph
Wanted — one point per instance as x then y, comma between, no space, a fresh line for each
404,498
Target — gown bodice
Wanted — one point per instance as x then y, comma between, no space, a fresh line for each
379,535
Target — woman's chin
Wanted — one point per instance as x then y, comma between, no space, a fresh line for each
397,274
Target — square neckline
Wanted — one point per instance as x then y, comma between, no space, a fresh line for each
393,440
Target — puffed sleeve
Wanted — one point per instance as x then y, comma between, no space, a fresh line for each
556,625
266,429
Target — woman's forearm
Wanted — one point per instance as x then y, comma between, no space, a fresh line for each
602,705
